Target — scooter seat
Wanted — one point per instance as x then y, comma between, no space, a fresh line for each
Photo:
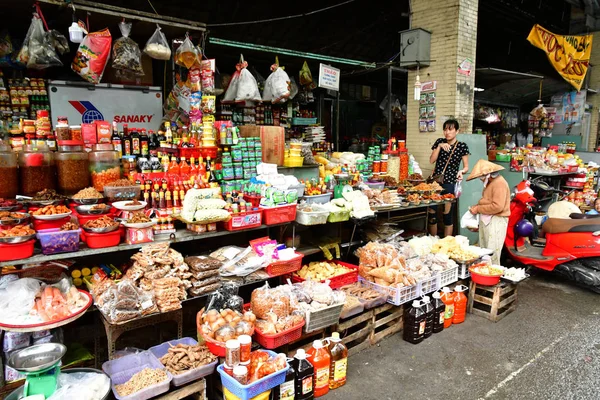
559,225
583,216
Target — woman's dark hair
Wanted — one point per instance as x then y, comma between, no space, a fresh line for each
596,201
451,122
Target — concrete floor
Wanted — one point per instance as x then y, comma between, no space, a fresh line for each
548,348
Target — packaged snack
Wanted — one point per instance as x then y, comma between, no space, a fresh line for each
126,53
209,104
195,79
208,76
92,56
157,46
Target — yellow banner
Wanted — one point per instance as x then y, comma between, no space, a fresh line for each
570,55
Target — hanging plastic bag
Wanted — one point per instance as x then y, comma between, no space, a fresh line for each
186,55
126,53
23,55
260,80
92,56
306,78
157,46
277,85
41,51
242,86
293,88
469,221
58,41
457,189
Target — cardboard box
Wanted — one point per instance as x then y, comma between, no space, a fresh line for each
249,131
273,144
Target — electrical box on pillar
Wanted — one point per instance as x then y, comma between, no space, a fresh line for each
415,48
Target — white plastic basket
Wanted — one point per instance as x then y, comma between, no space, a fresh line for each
428,285
395,296
448,276
311,217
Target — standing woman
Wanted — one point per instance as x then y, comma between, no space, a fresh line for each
493,207
447,155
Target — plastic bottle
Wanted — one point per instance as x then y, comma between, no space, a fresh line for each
428,308
439,310
303,381
318,356
286,391
414,323
448,299
339,362
460,304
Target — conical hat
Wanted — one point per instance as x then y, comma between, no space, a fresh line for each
484,167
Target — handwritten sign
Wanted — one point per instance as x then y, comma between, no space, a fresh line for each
329,77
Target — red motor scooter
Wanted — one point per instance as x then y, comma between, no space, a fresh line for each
570,247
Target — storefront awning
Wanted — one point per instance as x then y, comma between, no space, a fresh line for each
511,88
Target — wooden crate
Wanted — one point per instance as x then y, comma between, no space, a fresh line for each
492,302
387,320
356,331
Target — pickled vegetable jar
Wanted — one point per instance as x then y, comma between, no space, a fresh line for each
105,165
37,170
9,172
72,167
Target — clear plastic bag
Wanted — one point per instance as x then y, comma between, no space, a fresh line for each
23,55
126,53
186,54
243,86
469,221
157,46
41,53
208,77
81,385
277,86
18,299
457,189
58,41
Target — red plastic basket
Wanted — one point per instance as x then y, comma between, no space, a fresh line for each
279,339
189,152
279,214
254,200
217,348
239,221
101,240
340,280
285,267
209,152
16,251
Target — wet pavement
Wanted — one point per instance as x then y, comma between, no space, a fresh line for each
548,348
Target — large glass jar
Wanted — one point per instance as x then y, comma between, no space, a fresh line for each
9,172
72,167
105,165
36,169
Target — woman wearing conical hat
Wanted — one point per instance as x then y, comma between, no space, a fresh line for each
493,207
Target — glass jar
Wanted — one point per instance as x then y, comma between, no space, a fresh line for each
62,132
105,166
9,172
72,167
393,166
37,170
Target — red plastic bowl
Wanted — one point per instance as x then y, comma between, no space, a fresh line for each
39,224
16,251
101,240
484,280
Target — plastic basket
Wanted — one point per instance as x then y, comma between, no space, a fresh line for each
447,277
318,198
254,200
337,281
323,318
395,296
239,221
246,392
191,375
217,348
279,339
463,271
338,216
122,369
55,241
312,217
428,285
278,268
360,307
279,214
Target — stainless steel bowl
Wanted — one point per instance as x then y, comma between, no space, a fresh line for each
16,239
89,210
37,357
87,201
16,221
43,203
101,230
15,207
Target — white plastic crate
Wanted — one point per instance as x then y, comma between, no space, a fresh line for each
395,296
448,276
427,285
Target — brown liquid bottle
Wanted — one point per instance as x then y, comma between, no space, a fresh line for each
339,361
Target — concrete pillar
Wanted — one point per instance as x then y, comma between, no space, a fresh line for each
453,27
594,99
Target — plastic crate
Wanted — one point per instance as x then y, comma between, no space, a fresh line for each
55,241
395,296
318,198
428,285
279,214
279,339
309,218
278,268
254,200
463,271
245,220
360,307
122,369
337,281
447,277
191,375
246,392
323,318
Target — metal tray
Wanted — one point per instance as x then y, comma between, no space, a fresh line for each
101,230
89,210
16,239
87,201
37,357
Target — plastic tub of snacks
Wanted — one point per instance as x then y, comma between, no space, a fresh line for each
55,241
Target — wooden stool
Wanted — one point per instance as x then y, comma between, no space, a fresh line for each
492,302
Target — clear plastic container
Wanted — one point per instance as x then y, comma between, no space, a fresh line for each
9,172
72,167
105,165
37,170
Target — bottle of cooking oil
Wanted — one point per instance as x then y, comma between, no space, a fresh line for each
339,361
